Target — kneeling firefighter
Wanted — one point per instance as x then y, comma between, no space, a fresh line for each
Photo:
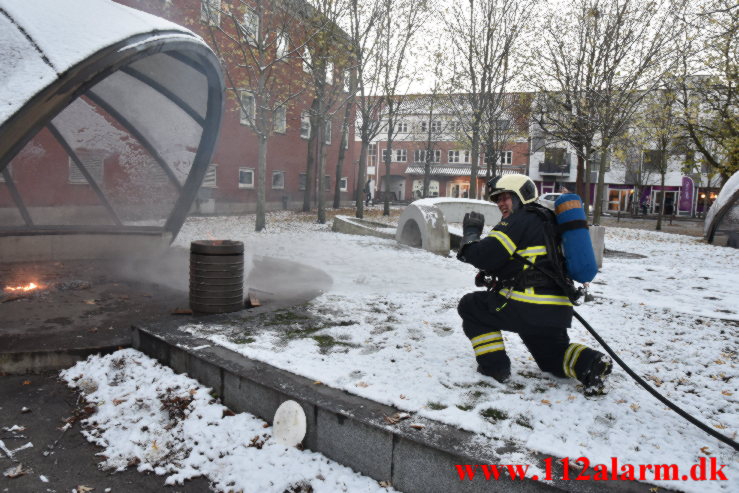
519,298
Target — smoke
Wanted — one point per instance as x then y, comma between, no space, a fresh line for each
269,279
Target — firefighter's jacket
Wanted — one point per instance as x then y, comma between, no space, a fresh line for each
522,232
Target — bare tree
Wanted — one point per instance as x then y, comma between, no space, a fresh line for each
655,128
608,56
638,54
403,20
324,57
708,79
253,38
350,81
364,19
503,124
483,35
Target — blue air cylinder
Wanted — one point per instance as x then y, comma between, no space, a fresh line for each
576,245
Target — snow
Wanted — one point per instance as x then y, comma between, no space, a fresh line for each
69,32
63,34
145,414
403,321
391,310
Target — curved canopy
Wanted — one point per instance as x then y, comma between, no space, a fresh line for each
723,216
108,118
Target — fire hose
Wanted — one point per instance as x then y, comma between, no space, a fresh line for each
733,444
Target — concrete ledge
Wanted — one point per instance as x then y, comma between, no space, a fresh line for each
350,429
81,246
355,226
598,239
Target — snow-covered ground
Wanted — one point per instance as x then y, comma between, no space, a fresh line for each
147,416
388,330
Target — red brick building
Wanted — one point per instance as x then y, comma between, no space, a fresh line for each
451,155
230,184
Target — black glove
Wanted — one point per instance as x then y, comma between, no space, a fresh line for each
472,224
484,279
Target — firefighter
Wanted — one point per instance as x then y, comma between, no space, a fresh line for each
520,299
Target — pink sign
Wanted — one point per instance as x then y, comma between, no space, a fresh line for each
686,194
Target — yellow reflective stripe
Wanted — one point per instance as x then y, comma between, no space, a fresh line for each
537,299
533,251
571,356
489,348
490,336
505,240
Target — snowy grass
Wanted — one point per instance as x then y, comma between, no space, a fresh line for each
144,415
388,330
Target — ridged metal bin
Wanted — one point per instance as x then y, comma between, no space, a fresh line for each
216,276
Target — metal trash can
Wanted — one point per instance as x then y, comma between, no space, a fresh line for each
216,276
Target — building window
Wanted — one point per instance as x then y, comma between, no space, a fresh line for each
248,107
283,45
305,125
423,126
210,12
210,177
372,153
280,120
436,126
246,177
329,73
278,180
402,127
327,132
250,27
307,63
302,179
420,156
398,156
454,126
459,156
343,184
327,183
93,163
506,157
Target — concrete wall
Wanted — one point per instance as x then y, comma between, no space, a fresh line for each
32,248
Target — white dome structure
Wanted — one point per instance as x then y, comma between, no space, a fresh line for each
108,120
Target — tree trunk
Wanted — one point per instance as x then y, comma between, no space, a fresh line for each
320,191
261,184
662,201
586,182
598,210
473,166
342,154
311,159
361,179
579,185
388,157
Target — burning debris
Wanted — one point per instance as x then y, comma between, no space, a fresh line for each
32,289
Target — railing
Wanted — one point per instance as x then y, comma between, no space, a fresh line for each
549,168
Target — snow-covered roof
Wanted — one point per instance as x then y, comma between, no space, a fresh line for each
120,92
724,208
457,170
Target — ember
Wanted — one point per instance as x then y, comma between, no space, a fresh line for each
29,287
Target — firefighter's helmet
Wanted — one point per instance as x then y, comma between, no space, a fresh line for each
521,185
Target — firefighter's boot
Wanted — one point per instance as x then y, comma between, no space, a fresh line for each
593,378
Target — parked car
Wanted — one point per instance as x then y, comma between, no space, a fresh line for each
547,199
